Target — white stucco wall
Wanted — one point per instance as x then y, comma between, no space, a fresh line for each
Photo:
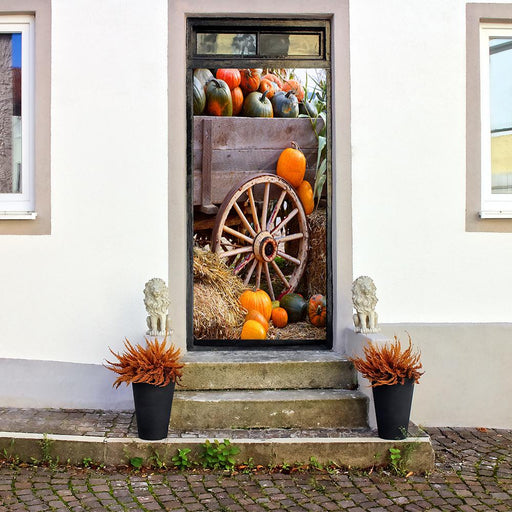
67,296
409,168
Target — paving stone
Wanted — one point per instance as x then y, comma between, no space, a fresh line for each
473,472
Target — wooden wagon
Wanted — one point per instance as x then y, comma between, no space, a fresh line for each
258,223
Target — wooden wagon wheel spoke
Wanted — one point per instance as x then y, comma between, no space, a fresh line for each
236,233
280,274
289,238
244,263
265,205
288,257
276,209
258,275
250,272
269,281
233,252
244,220
252,249
254,212
285,221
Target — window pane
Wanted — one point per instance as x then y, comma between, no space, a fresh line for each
10,113
500,83
289,44
226,44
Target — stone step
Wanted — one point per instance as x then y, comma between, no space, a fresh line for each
362,449
267,369
304,408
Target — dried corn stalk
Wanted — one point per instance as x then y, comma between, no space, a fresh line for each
389,364
154,364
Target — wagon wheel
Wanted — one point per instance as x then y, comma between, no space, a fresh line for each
272,237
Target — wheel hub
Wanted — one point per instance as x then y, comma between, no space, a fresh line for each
265,247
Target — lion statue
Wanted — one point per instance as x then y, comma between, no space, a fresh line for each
156,300
365,299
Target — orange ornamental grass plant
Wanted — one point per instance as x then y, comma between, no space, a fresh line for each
156,364
388,364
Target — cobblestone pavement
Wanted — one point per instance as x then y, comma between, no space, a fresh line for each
473,472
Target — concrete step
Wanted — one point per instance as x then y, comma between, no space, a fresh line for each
362,449
267,369
304,408
110,437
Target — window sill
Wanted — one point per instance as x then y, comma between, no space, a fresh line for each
18,215
500,214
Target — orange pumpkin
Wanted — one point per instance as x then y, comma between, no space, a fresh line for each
305,193
258,300
256,315
253,330
279,317
296,87
266,85
273,78
231,76
291,165
317,310
237,97
250,80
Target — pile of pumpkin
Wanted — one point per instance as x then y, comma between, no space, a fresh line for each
292,307
234,92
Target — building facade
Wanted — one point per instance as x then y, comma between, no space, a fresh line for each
110,193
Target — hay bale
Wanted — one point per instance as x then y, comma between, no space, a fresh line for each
316,269
217,310
297,331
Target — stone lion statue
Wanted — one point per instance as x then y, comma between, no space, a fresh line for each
156,300
365,299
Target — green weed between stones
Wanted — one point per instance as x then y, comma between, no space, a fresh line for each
313,482
156,461
181,460
9,456
313,463
399,458
45,446
136,462
219,455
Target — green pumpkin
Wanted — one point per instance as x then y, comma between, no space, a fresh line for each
218,98
285,104
307,108
199,97
256,104
296,306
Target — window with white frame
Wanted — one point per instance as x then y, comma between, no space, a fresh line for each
17,117
496,119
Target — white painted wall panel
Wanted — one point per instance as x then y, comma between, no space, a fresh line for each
67,296
409,168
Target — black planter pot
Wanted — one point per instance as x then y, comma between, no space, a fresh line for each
393,409
152,409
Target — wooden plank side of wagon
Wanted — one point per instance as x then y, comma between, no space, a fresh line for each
223,182
239,148
256,132
244,159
